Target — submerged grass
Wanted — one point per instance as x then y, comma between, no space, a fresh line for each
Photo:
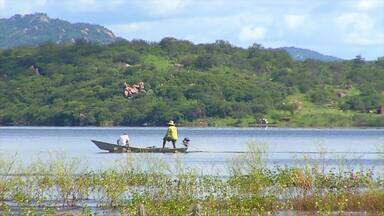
252,187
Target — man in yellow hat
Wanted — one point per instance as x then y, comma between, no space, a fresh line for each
171,134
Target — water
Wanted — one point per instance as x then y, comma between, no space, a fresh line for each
354,148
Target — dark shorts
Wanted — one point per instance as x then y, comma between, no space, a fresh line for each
169,139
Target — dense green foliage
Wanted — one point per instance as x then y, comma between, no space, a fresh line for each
218,84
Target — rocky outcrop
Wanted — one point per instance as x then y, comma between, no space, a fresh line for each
38,28
133,90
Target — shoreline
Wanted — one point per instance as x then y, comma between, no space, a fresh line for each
191,127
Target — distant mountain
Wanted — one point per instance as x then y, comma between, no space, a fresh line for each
38,28
300,54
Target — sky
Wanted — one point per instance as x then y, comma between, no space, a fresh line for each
342,28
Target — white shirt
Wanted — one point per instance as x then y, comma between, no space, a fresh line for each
123,140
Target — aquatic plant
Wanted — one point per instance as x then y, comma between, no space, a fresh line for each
148,183
253,161
112,186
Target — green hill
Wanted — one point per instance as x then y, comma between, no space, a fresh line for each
205,84
38,28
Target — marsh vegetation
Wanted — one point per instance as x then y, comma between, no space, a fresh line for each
49,186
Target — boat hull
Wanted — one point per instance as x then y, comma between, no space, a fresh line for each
113,148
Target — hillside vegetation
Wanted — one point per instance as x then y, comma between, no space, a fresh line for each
205,84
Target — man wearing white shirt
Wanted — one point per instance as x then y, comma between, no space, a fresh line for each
123,140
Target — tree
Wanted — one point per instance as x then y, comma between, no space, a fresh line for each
358,60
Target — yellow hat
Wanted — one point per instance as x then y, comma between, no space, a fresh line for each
171,123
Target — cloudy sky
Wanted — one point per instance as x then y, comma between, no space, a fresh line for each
343,28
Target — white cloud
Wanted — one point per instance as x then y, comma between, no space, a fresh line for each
11,7
163,7
197,29
249,33
2,4
360,29
293,21
130,26
41,3
364,39
139,30
91,5
368,4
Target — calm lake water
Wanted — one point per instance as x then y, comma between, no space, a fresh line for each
354,148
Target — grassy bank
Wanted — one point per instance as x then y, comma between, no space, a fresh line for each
46,186
303,113
318,119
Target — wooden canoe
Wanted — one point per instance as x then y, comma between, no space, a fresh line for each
113,148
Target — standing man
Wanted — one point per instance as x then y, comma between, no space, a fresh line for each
171,134
124,140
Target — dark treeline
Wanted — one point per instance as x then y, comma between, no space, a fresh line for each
82,84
